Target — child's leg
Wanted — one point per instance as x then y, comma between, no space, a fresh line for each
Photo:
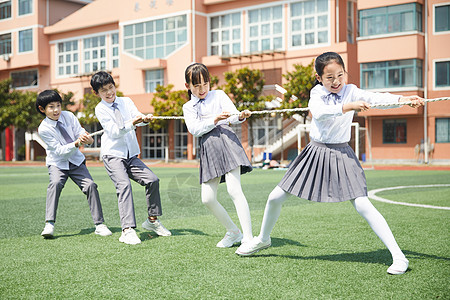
140,173
81,176
58,179
378,224
233,180
117,170
209,198
272,212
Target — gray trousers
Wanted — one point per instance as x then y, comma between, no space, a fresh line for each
81,176
120,171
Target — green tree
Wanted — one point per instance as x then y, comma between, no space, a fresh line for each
245,87
167,103
298,86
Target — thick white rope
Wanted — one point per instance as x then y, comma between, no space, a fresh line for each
278,111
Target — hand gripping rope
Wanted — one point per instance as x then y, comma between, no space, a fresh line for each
260,112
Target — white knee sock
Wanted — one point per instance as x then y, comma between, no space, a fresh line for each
272,212
233,180
209,198
378,224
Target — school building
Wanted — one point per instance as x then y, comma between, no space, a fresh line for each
396,46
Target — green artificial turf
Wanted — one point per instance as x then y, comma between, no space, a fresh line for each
319,251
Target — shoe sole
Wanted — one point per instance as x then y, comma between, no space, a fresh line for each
253,252
238,241
128,243
100,234
150,229
47,236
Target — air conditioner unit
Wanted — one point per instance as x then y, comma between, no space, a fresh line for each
6,57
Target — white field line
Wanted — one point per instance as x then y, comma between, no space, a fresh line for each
372,195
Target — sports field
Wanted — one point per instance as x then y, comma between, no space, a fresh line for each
320,251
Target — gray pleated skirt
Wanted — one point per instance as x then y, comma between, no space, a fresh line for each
325,173
221,152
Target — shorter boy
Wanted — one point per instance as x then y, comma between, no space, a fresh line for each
63,134
119,118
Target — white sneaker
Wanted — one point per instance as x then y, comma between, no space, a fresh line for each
49,228
253,246
129,237
102,230
157,227
398,267
230,239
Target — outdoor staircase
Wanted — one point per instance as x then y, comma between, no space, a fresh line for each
288,136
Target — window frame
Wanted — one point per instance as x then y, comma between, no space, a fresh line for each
151,31
147,134
435,62
259,38
64,54
435,21
4,6
417,65
91,61
149,82
418,27
315,29
436,130
20,41
230,29
24,14
397,123
25,86
10,44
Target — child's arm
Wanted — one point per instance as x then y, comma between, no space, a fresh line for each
54,146
229,107
197,127
109,124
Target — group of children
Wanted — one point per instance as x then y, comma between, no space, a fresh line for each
327,170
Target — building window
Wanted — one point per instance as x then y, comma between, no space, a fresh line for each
155,39
153,143
25,7
5,10
24,79
94,54
67,55
309,23
443,130
442,74
226,34
392,74
442,18
265,29
390,19
5,44
394,131
181,139
115,50
265,131
26,40
152,79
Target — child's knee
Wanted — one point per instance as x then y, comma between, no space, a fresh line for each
57,185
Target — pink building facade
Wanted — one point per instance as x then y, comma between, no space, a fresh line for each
144,43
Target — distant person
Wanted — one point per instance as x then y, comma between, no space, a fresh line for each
222,158
63,134
119,118
327,170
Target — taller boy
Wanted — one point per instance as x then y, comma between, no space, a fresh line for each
119,118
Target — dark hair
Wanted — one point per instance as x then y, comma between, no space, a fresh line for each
101,79
323,60
45,97
194,73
